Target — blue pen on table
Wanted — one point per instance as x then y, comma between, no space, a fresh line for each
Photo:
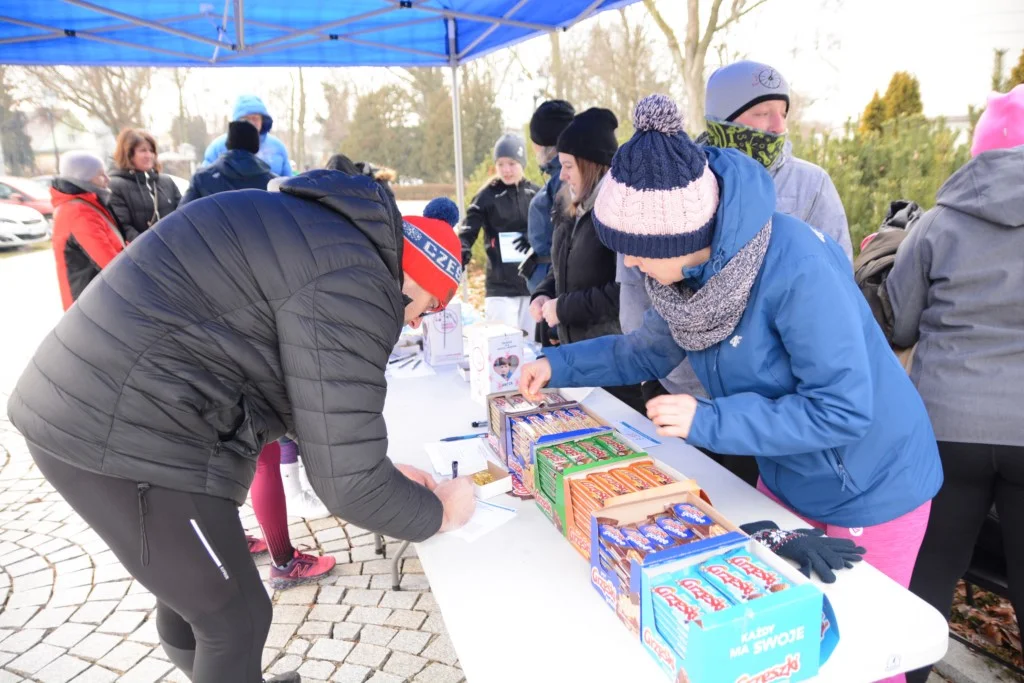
464,437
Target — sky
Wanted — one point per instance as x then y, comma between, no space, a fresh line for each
834,52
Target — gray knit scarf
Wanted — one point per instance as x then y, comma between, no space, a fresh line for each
703,318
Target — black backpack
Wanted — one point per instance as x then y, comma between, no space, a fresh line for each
872,266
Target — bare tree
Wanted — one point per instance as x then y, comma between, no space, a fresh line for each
690,56
180,77
114,95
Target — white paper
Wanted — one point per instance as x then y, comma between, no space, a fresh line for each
636,437
507,246
486,518
469,453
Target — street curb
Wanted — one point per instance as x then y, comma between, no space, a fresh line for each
962,665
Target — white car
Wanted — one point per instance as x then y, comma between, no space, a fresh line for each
21,226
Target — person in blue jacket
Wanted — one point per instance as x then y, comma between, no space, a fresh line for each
251,108
797,371
546,124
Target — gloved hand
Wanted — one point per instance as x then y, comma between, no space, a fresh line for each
811,549
522,243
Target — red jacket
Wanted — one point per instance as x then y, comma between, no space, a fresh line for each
86,238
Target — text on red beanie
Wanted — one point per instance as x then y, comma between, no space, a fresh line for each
431,256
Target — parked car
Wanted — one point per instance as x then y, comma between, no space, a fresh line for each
21,226
27,192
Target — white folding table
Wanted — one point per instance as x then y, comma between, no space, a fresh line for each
518,602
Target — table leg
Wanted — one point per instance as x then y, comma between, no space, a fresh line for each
378,544
395,578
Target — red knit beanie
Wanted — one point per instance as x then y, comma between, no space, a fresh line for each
431,256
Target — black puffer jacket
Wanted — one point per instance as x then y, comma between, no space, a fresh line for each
582,278
239,318
132,199
498,208
236,169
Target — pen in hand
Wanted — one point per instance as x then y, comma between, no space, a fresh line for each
455,469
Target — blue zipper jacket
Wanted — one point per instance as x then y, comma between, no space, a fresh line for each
272,150
540,228
806,381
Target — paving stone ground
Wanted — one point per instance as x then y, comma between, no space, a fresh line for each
70,612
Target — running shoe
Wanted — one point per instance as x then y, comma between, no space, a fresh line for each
302,568
257,546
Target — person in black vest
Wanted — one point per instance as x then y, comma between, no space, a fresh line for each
579,294
237,169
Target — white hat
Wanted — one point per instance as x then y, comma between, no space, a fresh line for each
81,166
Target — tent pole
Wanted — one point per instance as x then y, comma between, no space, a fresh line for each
453,60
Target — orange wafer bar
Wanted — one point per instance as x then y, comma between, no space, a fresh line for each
652,474
614,484
631,478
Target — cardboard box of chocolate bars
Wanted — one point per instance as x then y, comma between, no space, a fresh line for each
581,540
624,598
553,496
784,635
776,633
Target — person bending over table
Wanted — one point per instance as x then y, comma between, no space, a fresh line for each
236,319
767,311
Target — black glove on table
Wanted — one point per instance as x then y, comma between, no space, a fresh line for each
522,243
811,549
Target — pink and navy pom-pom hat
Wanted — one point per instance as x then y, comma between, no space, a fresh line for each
660,197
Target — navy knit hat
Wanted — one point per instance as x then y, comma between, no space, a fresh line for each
660,196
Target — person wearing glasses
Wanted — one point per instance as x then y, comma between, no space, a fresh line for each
245,315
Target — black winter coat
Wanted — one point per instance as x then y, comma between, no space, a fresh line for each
498,208
132,199
582,278
234,320
236,169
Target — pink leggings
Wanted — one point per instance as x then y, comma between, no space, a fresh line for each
891,547
268,502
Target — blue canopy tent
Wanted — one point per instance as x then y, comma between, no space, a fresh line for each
168,33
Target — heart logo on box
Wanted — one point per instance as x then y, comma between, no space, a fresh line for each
506,366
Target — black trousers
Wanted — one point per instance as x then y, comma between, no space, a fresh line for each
976,476
743,466
189,550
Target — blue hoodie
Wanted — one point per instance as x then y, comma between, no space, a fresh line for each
271,151
806,381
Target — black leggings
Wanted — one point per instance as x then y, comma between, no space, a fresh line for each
976,476
213,614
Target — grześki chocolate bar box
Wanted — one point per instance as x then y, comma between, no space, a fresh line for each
709,604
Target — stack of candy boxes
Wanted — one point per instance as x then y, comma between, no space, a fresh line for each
709,604
578,475
515,424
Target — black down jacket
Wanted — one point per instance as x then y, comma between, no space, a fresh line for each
236,169
236,319
138,200
498,208
582,278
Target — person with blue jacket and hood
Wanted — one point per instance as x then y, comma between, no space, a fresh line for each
797,371
237,169
251,108
746,105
